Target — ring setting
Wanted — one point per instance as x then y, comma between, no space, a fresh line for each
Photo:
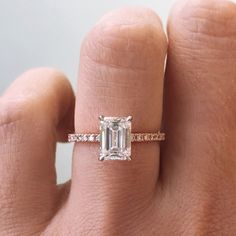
115,138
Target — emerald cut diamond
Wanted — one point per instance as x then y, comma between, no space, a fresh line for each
115,138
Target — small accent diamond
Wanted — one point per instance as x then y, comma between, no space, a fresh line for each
91,138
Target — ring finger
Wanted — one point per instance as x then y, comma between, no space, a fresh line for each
121,74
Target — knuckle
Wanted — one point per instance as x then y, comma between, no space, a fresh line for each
125,43
34,72
13,121
11,112
16,118
44,77
37,93
206,22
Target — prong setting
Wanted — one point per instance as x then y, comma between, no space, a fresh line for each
129,118
101,118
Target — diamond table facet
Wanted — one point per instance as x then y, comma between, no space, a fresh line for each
115,138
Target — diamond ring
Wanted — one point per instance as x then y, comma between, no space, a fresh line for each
115,138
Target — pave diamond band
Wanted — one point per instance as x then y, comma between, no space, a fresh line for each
84,137
147,137
135,137
115,138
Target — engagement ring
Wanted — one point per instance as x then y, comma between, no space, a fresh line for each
115,138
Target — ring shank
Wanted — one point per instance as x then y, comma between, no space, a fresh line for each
135,137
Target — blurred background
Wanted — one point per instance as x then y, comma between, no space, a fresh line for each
49,33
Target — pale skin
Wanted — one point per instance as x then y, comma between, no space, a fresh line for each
183,186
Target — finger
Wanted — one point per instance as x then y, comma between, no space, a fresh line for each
30,117
200,94
121,74
65,122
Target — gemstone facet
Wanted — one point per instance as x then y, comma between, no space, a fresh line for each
115,138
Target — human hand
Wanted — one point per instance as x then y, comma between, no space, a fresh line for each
186,186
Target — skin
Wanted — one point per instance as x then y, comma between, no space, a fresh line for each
183,186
